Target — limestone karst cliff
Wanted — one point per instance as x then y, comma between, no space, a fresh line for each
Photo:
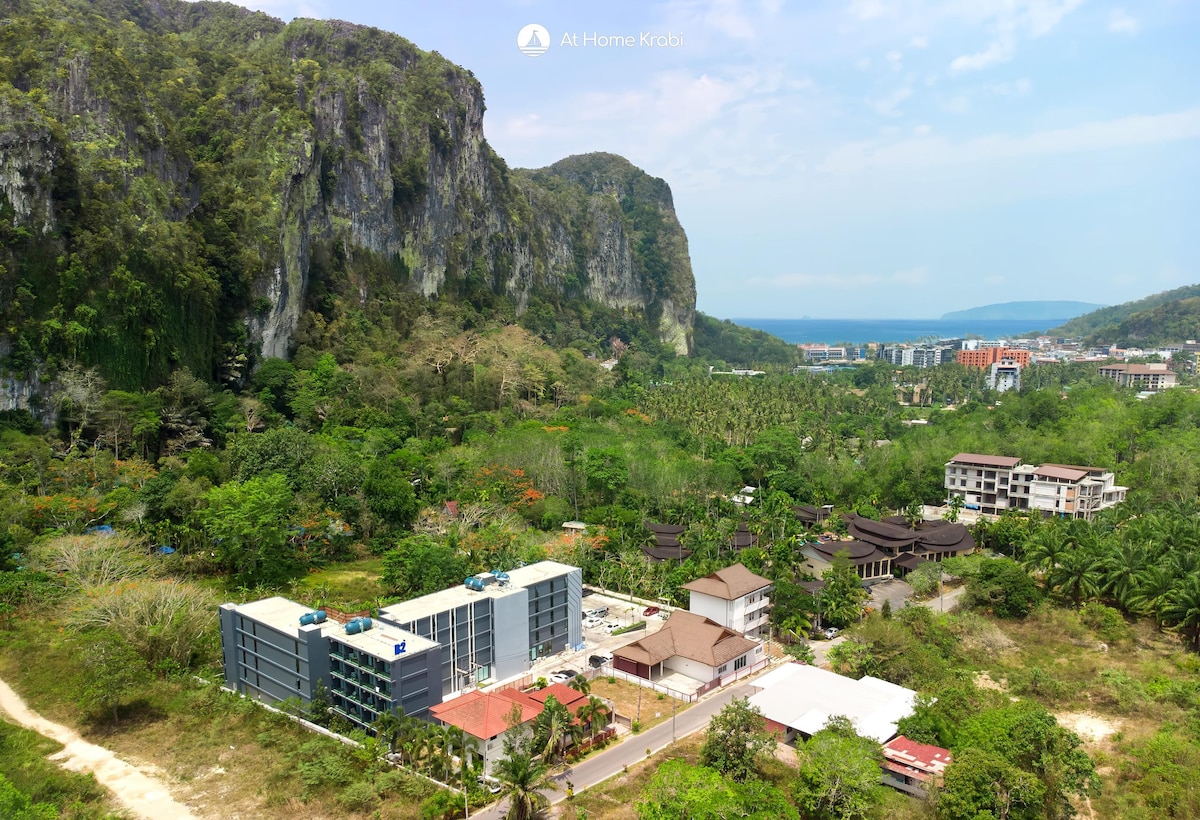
191,184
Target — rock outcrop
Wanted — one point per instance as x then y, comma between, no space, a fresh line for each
183,182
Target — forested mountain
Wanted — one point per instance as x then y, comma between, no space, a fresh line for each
1170,316
197,185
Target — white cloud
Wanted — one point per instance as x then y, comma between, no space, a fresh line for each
1000,51
889,105
895,60
1121,23
919,42
923,130
937,151
863,63
1017,88
870,9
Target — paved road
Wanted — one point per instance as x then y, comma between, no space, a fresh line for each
600,767
947,601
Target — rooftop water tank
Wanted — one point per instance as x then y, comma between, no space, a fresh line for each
357,625
316,617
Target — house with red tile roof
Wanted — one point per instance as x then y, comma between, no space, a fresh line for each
486,716
910,766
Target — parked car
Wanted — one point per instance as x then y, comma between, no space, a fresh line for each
650,610
559,677
592,623
664,614
489,783
599,612
610,626
831,632
595,661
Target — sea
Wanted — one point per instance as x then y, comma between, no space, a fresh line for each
861,331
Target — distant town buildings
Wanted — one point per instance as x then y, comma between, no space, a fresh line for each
988,355
993,484
1152,377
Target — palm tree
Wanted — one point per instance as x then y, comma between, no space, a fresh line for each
1077,575
390,727
522,779
1122,566
580,684
593,713
1181,609
551,728
1154,583
796,627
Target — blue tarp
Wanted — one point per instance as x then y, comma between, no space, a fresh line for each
165,550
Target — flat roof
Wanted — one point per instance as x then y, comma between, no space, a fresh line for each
276,612
459,595
804,698
380,640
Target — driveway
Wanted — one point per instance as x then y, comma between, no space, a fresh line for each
895,592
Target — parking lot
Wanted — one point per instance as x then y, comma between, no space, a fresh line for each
596,638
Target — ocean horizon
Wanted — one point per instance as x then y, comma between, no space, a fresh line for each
862,331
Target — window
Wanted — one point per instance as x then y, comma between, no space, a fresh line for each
740,663
723,668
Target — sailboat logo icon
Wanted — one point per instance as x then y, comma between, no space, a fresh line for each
533,40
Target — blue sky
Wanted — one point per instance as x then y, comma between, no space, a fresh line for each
864,158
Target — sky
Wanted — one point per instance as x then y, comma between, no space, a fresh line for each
862,158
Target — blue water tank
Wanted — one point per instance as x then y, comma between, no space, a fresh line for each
317,617
357,625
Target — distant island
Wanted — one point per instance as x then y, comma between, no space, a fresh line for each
1025,311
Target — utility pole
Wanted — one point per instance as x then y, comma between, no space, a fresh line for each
673,704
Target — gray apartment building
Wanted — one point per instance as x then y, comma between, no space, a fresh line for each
414,654
495,628
271,655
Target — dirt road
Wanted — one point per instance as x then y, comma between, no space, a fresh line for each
143,795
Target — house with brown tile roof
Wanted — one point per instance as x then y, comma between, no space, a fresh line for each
993,484
734,597
691,645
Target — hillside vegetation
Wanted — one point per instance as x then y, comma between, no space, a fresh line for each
1170,316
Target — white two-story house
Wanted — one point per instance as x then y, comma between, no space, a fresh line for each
733,597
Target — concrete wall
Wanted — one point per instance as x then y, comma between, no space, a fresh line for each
467,635
716,609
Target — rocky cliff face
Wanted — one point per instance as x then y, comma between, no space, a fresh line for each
180,182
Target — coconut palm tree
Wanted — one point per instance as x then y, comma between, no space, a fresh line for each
390,728
1077,575
551,729
522,779
580,684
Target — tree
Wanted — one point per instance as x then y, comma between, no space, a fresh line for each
17,806
580,684
1027,736
737,740
247,522
419,565
838,775
979,784
594,714
681,791
389,494
1181,609
925,579
522,779
1004,587
552,728
113,672
843,596
606,471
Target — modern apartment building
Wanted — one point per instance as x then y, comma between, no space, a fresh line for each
993,484
276,649
734,597
1153,376
495,628
414,654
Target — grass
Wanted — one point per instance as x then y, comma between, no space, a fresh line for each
351,586
624,696
617,797
75,796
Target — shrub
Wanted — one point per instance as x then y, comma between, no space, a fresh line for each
1104,621
925,579
359,797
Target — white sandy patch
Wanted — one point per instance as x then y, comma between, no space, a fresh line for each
1091,728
